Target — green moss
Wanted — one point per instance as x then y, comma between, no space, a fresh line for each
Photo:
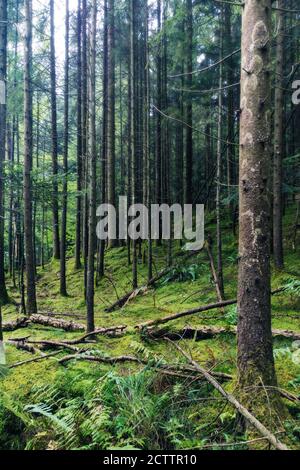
218,353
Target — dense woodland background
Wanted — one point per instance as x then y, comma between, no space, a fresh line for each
165,101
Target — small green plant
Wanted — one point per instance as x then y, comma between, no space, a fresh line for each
183,274
231,316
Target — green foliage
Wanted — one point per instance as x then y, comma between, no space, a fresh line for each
231,316
292,286
183,274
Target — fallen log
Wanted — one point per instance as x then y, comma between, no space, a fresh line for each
22,346
209,332
233,401
56,323
44,345
16,324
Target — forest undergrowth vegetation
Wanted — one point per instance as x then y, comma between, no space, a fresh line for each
89,405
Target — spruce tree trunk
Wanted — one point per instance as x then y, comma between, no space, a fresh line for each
147,143
31,306
79,145
63,286
158,175
84,133
55,218
219,167
189,105
111,112
133,129
278,141
255,352
92,176
228,48
3,70
101,268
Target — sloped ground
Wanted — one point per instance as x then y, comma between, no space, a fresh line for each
138,407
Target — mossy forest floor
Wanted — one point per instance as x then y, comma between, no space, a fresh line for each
84,405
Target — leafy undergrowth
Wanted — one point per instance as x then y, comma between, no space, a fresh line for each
84,405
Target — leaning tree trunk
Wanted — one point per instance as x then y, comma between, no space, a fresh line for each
3,68
31,306
278,141
255,351
92,179
55,221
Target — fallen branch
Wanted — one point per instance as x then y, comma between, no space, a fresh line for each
175,316
214,274
134,293
36,359
203,308
231,399
104,360
70,315
111,331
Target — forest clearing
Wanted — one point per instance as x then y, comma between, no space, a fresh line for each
119,340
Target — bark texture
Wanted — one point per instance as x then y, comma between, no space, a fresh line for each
255,353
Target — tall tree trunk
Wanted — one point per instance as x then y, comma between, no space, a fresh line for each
158,140
84,132
63,285
230,109
3,70
104,135
79,145
31,306
111,189
189,105
219,166
147,149
278,141
133,38
92,176
55,219
255,352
